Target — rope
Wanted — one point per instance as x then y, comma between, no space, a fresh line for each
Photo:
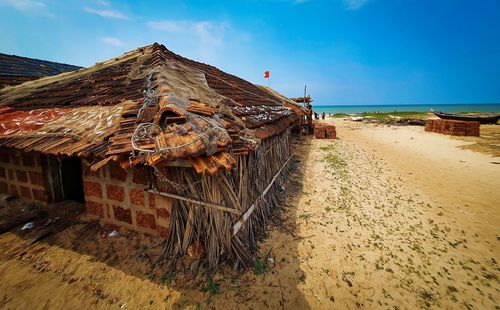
41,135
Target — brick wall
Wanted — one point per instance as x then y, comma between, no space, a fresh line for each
323,131
22,175
452,127
118,197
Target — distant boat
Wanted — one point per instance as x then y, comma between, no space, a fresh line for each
483,119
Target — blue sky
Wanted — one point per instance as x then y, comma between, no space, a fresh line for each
346,51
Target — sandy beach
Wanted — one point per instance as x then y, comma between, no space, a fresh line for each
383,217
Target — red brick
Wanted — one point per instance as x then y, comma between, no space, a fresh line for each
3,174
152,201
122,215
162,231
40,195
162,212
22,176
25,192
12,175
453,127
94,208
4,188
92,189
115,192
137,197
145,220
117,173
319,132
13,190
330,132
140,176
28,160
36,178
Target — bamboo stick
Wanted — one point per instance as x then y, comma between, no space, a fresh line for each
203,203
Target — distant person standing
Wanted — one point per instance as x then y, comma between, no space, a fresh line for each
323,116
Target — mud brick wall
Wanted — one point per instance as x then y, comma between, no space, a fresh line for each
452,127
324,131
118,197
23,175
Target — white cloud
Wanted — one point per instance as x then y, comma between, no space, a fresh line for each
30,6
103,2
106,13
24,5
168,25
113,41
354,4
208,36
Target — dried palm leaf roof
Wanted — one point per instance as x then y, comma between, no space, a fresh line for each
15,70
23,66
150,102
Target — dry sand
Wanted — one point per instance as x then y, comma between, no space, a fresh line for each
384,217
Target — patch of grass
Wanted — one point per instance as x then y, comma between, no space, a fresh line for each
151,277
305,216
167,278
452,289
340,115
490,276
259,267
416,247
389,115
212,287
427,297
335,161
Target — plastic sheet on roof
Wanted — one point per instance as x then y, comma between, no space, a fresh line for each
90,124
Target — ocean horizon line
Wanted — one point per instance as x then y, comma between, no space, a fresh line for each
404,104
450,108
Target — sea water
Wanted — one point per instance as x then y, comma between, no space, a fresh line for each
448,108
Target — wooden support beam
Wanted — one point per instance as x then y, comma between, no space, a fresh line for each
239,224
191,200
102,163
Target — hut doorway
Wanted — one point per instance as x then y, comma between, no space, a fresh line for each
71,179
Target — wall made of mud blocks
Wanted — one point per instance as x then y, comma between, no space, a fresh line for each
119,197
22,175
452,127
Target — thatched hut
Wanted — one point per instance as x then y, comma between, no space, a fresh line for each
153,142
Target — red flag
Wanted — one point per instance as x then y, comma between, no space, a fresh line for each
266,74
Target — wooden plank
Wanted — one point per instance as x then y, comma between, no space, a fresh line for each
102,163
202,203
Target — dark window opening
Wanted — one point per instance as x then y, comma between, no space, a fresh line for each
71,179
